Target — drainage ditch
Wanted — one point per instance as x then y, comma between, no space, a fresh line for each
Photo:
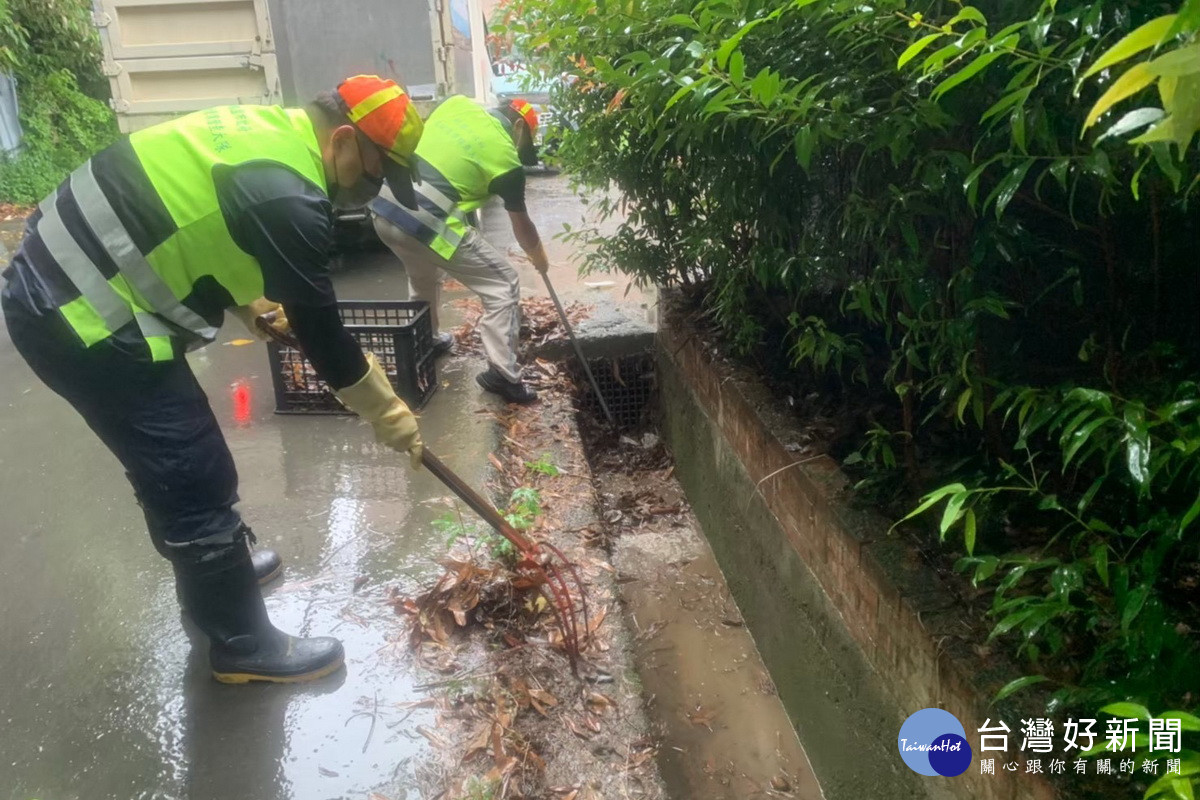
721,728
674,699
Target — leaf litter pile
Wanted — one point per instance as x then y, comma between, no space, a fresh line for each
10,211
511,721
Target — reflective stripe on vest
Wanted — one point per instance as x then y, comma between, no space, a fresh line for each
463,149
107,226
96,295
113,311
434,231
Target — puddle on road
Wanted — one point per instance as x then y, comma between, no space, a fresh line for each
104,695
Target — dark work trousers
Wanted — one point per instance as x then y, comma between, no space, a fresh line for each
155,419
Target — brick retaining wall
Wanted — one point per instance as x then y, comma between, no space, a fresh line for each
894,608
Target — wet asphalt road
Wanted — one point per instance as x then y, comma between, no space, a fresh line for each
103,695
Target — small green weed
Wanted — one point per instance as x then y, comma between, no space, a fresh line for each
481,789
524,507
544,466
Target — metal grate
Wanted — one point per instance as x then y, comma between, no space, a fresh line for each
628,384
400,335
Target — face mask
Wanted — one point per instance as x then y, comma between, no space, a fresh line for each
362,192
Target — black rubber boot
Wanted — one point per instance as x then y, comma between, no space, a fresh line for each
268,565
443,343
219,588
512,391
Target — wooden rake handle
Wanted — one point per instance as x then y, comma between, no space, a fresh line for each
285,339
476,501
438,467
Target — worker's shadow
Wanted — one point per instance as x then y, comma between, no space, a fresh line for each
237,738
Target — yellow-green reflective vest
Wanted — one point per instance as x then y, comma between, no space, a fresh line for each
463,148
178,158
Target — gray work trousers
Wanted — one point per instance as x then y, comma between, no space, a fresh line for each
479,267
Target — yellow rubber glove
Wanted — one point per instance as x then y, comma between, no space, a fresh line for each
374,399
262,307
539,259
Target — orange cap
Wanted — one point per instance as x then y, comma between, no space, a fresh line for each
383,111
527,113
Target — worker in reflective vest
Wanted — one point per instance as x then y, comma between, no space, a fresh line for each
468,154
135,258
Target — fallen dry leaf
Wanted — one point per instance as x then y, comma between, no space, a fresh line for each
639,757
435,738
428,702
582,733
478,742
541,700
702,717
595,622
599,702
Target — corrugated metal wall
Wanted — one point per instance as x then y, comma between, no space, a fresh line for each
10,125
169,57
318,47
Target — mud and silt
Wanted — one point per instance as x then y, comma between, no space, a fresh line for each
724,733
511,717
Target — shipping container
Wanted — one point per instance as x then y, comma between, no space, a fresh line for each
167,57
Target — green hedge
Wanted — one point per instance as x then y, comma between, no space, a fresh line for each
894,204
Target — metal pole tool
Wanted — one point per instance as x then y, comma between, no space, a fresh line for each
562,314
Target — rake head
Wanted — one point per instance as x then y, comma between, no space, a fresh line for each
540,564
545,566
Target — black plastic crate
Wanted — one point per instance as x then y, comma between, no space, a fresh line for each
398,332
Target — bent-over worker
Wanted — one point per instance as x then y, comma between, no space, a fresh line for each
135,258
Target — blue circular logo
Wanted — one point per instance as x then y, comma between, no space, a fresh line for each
933,742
